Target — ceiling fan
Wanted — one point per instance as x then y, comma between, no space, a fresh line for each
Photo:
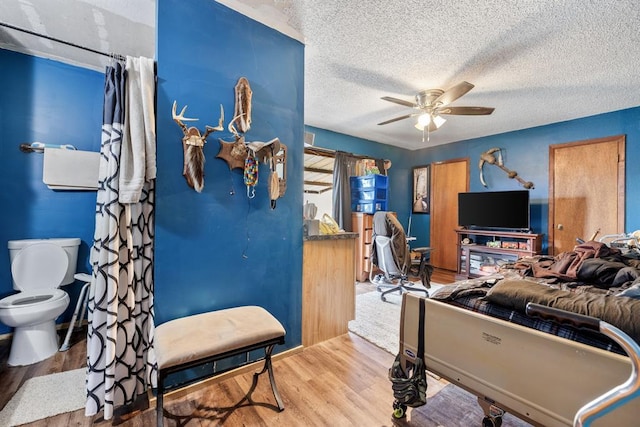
433,103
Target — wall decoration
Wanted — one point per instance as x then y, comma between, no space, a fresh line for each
192,147
421,189
280,160
248,155
234,153
242,111
489,157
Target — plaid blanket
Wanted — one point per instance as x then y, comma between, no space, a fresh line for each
480,305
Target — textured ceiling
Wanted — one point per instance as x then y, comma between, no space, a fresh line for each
535,61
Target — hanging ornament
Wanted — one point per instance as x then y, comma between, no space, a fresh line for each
251,174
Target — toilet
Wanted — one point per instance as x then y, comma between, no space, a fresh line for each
38,268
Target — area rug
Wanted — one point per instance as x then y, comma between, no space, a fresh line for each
454,407
46,396
378,321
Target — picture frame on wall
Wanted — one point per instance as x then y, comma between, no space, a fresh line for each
421,201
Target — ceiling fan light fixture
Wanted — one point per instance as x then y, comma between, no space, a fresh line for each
433,102
423,120
438,121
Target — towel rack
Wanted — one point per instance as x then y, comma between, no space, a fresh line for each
38,147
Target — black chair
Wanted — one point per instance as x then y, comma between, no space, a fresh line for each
391,254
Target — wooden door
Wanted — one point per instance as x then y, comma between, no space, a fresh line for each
586,191
447,180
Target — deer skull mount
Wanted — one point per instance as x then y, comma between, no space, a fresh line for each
192,146
488,157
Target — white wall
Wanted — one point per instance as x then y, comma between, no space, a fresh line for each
324,202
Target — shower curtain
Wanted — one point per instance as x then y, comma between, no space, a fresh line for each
120,357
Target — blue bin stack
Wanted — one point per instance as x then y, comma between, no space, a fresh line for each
369,193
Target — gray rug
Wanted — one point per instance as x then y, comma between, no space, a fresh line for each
45,396
454,407
378,321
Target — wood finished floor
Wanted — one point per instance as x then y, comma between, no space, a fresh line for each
340,382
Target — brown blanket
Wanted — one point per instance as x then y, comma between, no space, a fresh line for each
621,312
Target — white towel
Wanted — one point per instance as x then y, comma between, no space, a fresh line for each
138,152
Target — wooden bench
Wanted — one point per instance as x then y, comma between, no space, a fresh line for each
203,338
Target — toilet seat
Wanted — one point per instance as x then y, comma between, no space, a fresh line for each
26,299
39,266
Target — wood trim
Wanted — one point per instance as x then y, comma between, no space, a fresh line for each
318,170
622,195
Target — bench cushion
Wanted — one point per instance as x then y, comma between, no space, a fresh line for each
208,334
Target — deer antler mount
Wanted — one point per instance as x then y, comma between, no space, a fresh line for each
192,146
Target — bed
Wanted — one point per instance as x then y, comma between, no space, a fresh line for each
478,336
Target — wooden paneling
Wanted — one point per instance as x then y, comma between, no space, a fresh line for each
328,289
447,180
362,224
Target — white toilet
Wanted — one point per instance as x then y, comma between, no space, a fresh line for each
38,267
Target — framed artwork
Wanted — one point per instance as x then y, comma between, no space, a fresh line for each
421,201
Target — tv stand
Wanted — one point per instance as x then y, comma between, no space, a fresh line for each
482,252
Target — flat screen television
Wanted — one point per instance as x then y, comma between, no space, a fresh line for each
508,210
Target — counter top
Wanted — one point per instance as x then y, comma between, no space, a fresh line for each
339,236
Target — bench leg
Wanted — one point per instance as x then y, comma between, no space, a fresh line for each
159,408
268,367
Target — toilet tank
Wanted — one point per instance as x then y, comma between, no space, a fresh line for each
70,246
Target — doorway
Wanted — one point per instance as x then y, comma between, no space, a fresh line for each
447,180
586,191
318,179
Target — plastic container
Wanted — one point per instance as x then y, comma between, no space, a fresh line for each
369,195
369,207
368,182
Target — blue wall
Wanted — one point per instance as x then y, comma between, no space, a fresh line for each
400,174
219,249
54,103
525,151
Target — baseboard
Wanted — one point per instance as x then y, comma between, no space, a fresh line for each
183,391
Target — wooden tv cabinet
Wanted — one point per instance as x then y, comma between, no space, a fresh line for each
481,252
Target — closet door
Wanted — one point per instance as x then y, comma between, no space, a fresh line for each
447,180
586,191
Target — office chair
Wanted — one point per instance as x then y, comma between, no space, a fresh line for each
390,253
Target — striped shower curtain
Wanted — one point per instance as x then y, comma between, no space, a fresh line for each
120,357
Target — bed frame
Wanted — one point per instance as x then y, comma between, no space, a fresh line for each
536,376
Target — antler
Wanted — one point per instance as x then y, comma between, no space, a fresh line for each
179,118
220,126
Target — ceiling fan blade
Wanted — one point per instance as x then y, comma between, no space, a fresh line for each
466,111
454,93
399,101
406,116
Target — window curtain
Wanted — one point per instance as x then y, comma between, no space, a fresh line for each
120,360
344,167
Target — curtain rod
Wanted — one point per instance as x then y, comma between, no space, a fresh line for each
88,49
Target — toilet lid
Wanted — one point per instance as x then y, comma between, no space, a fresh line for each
41,265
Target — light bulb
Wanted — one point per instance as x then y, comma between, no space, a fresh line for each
424,120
